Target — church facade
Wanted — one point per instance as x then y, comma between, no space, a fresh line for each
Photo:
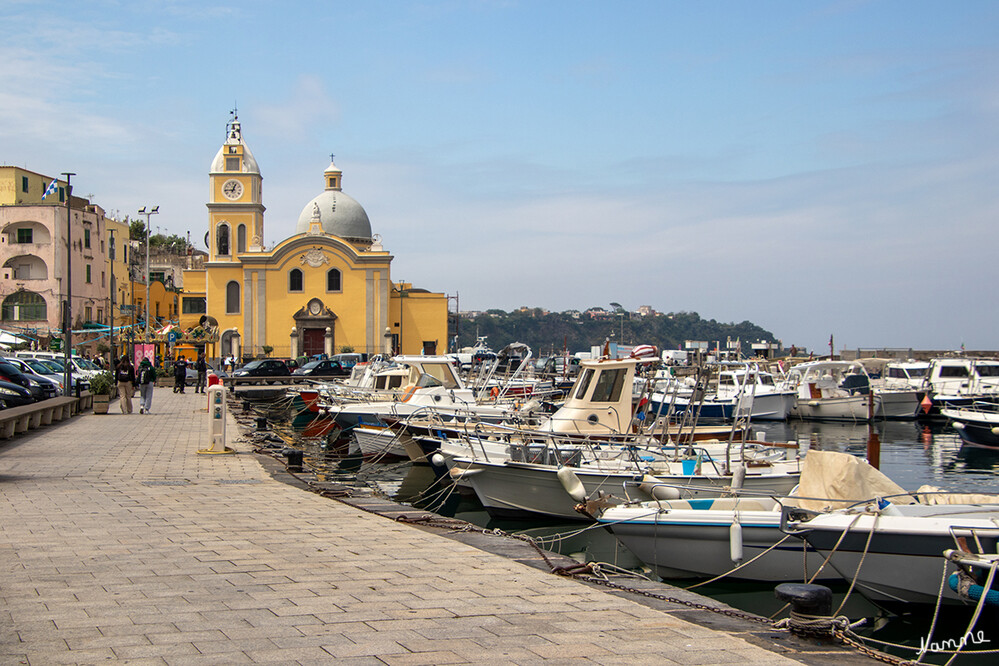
326,289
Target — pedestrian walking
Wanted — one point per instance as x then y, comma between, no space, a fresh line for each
202,367
125,376
147,380
179,375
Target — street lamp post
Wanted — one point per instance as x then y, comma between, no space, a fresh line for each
152,211
67,328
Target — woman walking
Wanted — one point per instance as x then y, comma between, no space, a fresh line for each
125,376
147,380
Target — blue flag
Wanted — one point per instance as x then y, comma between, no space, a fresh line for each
53,186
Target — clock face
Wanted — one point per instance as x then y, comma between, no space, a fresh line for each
232,189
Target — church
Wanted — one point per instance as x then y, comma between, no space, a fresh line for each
326,289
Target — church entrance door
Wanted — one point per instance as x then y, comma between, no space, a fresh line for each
313,341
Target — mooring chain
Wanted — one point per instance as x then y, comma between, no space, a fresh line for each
873,653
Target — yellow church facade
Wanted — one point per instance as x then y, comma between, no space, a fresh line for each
325,289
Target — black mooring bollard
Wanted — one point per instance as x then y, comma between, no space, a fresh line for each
247,406
806,599
294,459
261,423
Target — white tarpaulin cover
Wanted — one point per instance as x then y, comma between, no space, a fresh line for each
844,479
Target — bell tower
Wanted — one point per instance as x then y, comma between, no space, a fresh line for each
235,203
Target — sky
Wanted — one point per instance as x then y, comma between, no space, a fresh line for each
822,168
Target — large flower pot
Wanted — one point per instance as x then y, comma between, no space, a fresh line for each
101,403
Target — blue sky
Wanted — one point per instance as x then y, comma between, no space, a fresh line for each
818,168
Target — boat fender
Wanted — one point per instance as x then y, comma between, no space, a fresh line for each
887,508
735,540
995,431
437,460
571,483
738,477
966,587
653,487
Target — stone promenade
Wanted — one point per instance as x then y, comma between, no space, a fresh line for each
119,543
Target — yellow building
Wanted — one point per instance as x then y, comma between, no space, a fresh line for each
325,289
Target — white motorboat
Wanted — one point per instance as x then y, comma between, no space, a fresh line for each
832,391
956,382
897,398
702,538
977,425
743,391
741,536
891,545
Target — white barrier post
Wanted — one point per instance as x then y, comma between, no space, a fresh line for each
217,412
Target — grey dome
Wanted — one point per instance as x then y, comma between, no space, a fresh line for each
339,213
341,216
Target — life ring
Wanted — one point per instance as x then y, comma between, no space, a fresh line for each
408,392
494,392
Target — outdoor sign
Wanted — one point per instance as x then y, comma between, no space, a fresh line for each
144,351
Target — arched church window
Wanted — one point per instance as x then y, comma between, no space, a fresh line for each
295,280
333,280
222,246
241,238
24,306
232,298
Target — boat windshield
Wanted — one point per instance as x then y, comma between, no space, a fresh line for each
442,373
609,385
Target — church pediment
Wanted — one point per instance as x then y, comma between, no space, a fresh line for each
314,312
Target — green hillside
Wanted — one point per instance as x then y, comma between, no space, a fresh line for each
548,332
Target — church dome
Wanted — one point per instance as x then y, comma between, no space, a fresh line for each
339,213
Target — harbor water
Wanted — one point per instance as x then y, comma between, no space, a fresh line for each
912,453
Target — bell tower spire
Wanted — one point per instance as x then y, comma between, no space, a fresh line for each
235,206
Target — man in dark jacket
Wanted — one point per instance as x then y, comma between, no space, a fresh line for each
179,375
202,367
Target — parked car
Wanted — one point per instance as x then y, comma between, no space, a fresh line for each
51,384
348,359
11,373
327,368
60,371
14,395
264,367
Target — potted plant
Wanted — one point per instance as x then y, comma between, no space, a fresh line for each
101,385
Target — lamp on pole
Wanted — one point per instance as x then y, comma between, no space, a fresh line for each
152,211
68,321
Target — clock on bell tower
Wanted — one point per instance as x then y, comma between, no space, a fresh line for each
235,205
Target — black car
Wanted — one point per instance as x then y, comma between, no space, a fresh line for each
264,367
323,368
14,395
11,373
